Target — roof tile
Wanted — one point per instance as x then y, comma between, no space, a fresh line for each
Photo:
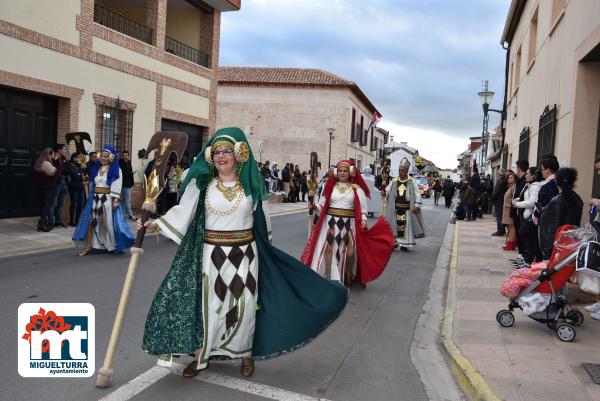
289,76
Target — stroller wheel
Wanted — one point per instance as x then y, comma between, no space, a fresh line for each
498,315
575,317
565,332
505,318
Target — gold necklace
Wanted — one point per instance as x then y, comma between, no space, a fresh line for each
342,189
240,196
228,192
102,171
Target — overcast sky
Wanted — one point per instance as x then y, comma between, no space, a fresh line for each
421,62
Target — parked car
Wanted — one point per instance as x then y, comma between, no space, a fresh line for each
423,185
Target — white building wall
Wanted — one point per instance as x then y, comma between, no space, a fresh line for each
556,77
53,18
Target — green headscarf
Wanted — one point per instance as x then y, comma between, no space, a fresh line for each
249,174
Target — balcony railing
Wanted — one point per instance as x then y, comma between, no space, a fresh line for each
184,51
120,23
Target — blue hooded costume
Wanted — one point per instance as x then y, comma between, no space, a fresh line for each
108,226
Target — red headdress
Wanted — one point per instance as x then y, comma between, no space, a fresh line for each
355,178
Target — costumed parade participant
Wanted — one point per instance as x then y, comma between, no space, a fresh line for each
340,247
230,293
374,202
102,224
403,208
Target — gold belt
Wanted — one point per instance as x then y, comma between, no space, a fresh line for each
336,212
228,238
102,190
403,205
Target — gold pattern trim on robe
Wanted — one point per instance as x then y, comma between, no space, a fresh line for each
102,190
228,238
337,212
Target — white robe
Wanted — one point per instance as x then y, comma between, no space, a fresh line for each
103,233
235,342
408,240
338,246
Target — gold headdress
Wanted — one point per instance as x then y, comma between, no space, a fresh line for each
240,149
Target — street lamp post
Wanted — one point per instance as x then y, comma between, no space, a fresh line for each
486,96
331,132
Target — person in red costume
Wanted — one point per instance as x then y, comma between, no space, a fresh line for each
341,247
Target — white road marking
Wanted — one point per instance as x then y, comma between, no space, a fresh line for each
137,385
156,373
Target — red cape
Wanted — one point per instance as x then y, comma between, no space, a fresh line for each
374,246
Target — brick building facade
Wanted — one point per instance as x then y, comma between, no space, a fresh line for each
117,69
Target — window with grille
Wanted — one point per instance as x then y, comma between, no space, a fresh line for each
547,132
373,143
505,157
116,128
362,134
353,136
524,144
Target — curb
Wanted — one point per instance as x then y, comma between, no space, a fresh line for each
468,379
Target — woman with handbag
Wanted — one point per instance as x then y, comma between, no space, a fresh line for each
528,230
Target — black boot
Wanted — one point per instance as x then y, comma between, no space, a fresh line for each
43,225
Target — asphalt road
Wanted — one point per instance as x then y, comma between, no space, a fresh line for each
364,355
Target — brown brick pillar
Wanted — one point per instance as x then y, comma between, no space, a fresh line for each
156,19
215,28
85,24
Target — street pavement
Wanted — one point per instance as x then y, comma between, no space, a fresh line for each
523,362
364,355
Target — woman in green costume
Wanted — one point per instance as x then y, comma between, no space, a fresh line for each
229,292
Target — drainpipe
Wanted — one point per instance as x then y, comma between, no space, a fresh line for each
505,46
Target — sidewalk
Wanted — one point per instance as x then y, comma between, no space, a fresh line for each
520,363
20,236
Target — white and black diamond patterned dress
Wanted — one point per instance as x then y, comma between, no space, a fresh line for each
230,272
337,235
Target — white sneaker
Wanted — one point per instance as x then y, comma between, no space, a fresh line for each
593,307
595,315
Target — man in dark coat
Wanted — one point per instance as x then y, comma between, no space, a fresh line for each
127,184
475,183
448,191
498,202
518,195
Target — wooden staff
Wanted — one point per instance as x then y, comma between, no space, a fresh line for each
165,143
312,188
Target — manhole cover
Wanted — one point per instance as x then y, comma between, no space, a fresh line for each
594,370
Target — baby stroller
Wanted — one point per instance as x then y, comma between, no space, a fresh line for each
557,315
